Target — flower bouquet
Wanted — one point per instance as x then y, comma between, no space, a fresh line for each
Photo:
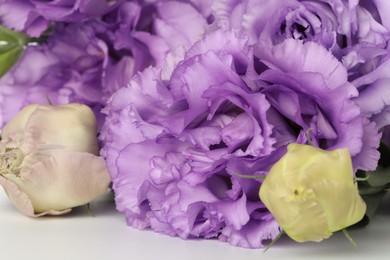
238,120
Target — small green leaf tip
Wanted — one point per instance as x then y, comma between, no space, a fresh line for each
11,48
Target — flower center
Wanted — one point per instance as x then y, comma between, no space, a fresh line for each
300,194
10,161
299,31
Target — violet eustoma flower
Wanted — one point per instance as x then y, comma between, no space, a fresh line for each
333,24
312,192
34,17
308,89
173,138
168,141
48,159
355,32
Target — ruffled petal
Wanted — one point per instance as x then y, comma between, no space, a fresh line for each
367,159
309,57
133,165
253,234
179,22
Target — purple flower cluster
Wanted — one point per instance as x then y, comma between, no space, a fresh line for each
82,62
196,92
34,16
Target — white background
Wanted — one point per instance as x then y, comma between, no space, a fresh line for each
106,236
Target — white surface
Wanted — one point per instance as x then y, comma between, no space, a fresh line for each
106,236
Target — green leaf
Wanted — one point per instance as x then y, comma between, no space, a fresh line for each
11,48
374,184
373,202
368,190
8,59
379,177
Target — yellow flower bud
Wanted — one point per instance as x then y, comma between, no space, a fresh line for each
311,192
48,159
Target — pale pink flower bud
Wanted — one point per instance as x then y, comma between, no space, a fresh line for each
48,159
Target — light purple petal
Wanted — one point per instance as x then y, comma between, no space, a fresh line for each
368,158
179,23
311,58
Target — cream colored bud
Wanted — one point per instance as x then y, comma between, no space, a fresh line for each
311,192
48,159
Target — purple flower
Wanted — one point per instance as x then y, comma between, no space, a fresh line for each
180,185
368,65
372,80
319,98
173,141
81,62
34,16
356,32
335,24
180,25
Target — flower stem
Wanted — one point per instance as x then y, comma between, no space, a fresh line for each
247,176
310,142
347,235
361,178
90,210
274,241
48,100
